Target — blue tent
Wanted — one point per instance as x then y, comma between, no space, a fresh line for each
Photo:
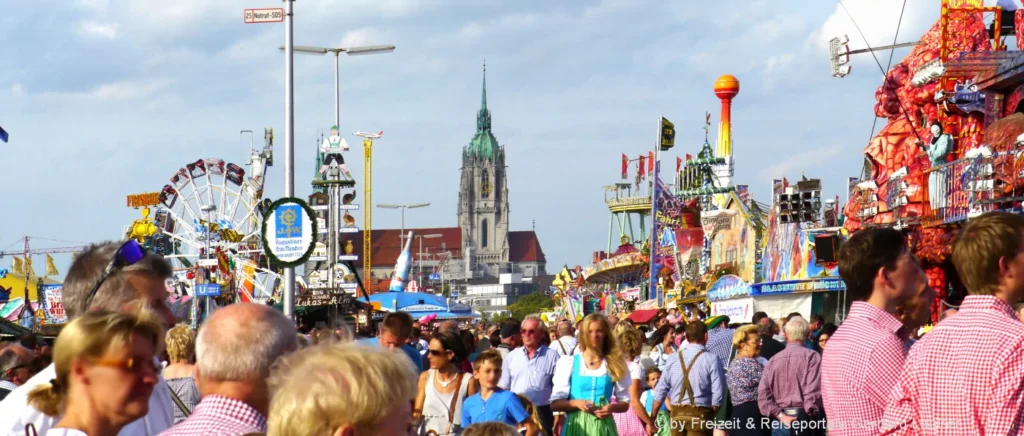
419,304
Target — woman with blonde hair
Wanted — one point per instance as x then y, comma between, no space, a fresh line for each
105,373
532,410
342,389
585,383
743,379
635,421
180,374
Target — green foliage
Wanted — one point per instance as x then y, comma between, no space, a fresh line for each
532,303
446,290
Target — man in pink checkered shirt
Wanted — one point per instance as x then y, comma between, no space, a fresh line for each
863,360
966,376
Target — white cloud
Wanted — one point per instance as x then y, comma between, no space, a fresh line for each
878,20
777,64
96,5
470,32
778,27
92,28
361,37
800,161
18,89
117,91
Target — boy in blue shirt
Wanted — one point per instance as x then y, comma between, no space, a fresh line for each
493,403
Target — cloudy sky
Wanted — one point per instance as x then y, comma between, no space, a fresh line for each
104,98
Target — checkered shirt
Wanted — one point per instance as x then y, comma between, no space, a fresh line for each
859,368
720,343
965,377
220,416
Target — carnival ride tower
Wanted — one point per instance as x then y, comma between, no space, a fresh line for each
726,88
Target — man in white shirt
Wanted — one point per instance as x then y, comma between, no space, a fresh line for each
123,277
566,344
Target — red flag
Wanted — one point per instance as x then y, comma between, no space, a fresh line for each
785,184
679,163
625,167
650,162
688,157
643,166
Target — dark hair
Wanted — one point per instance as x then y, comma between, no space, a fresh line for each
793,315
468,340
398,324
652,370
866,252
680,329
829,329
660,333
452,342
696,332
816,317
28,340
757,317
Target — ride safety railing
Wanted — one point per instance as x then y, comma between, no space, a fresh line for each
970,186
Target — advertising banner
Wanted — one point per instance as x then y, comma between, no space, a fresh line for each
53,304
728,287
739,310
797,286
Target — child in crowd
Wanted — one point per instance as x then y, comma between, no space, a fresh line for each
662,420
528,405
493,403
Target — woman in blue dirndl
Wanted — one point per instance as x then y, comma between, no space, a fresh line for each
584,384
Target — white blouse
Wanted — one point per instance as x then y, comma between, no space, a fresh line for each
563,372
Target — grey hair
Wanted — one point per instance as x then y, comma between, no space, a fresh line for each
540,323
87,269
796,329
8,360
243,343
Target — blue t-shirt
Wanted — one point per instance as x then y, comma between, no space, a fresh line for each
502,406
415,356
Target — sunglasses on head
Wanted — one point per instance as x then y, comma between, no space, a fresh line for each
129,253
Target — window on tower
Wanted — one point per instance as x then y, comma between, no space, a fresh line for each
485,186
483,234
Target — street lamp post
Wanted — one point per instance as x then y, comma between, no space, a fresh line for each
401,236
351,51
419,263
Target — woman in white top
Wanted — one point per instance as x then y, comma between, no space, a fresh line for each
105,369
443,388
664,338
584,384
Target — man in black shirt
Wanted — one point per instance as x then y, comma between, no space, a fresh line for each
769,346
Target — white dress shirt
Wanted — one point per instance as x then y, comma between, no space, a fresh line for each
568,343
15,413
563,373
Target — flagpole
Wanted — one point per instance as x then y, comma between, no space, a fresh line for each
653,290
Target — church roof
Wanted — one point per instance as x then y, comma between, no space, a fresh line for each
523,246
484,145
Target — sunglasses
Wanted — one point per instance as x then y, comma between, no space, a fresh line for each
130,364
128,254
437,353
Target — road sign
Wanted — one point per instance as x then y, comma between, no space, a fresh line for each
265,15
435,276
207,290
455,294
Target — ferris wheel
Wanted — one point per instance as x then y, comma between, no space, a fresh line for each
208,221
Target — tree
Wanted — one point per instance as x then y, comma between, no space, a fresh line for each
531,304
446,291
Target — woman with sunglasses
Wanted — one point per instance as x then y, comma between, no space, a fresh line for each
105,370
584,384
443,388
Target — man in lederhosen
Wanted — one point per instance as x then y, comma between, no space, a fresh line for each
332,148
698,387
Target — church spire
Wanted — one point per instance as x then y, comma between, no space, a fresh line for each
483,116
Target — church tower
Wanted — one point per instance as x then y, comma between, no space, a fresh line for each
483,198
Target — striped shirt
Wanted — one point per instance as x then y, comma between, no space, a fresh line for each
707,379
859,369
964,377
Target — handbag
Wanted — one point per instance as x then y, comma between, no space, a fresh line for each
451,408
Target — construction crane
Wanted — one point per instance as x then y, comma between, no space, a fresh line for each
368,202
28,251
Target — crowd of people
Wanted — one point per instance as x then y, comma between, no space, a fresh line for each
122,365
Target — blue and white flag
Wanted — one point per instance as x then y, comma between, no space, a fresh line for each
3,135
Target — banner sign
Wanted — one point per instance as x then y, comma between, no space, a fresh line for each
797,286
53,304
738,310
144,200
316,297
208,290
728,287
289,232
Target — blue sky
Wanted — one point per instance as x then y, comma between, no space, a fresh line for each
104,98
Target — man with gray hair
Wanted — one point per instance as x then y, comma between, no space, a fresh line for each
529,370
119,276
235,349
14,368
790,388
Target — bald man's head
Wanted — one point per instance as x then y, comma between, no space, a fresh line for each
241,341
